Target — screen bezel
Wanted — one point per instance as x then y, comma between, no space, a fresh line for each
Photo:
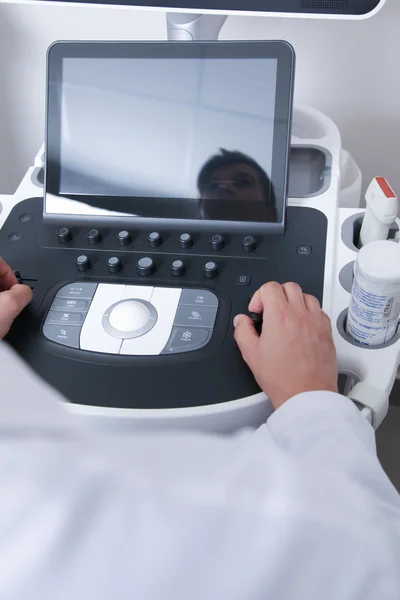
356,8
279,50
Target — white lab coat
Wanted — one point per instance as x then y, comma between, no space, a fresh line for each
298,510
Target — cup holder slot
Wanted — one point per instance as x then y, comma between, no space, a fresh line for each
341,326
351,229
346,276
37,177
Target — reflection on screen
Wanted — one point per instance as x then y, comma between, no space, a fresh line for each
168,135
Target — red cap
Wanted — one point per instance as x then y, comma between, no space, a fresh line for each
385,187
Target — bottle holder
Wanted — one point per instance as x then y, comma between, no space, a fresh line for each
351,229
341,327
346,276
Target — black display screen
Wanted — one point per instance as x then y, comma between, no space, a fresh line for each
195,131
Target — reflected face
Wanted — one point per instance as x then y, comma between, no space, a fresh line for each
239,181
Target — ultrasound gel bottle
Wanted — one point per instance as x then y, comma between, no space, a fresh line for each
375,297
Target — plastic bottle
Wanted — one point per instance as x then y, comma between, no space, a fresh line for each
375,298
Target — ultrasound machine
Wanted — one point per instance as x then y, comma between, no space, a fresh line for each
176,178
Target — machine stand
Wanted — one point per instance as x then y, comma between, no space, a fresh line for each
190,27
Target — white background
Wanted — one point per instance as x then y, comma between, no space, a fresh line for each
348,69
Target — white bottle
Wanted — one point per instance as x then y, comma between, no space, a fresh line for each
375,298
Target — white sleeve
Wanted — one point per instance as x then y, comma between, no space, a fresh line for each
324,426
282,512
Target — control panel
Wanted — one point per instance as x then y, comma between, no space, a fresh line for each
130,319
132,316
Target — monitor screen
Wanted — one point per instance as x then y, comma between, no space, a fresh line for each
182,131
335,7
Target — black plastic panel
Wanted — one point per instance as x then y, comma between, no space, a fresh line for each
211,375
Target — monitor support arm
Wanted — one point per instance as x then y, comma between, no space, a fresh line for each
186,27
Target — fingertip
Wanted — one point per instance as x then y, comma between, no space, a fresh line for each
23,293
237,320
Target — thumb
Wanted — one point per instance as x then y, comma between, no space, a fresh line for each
247,339
12,302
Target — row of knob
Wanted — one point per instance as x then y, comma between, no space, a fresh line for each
124,238
146,266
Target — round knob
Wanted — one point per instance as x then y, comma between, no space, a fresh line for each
145,266
114,264
129,316
64,235
154,239
94,236
185,240
124,238
210,270
178,268
217,242
249,243
83,263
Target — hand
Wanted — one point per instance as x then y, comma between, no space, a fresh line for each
295,352
14,297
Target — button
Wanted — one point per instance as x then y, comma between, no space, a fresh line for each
83,263
70,318
243,280
154,239
64,235
217,242
114,264
178,268
93,336
165,301
137,291
185,339
195,316
304,250
78,290
63,334
211,269
94,236
145,266
257,319
18,276
129,316
25,218
124,238
70,304
249,243
198,298
15,236
185,240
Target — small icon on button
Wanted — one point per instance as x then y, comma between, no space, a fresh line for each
200,298
243,280
304,250
66,316
195,315
15,236
186,335
63,332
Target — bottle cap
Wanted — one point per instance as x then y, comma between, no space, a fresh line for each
380,261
